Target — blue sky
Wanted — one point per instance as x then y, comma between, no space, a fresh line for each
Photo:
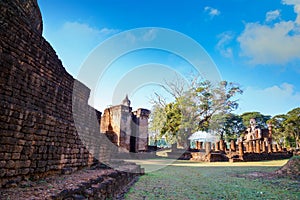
252,42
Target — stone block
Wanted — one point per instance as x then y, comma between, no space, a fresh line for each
8,140
40,170
25,164
3,172
2,164
41,163
24,171
10,172
10,164
15,156
17,148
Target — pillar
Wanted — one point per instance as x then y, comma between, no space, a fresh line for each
222,145
241,149
250,146
207,147
200,145
217,146
270,132
264,144
232,145
257,146
269,147
197,145
279,148
274,147
247,146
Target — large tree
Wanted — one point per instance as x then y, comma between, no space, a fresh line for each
228,126
261,120
278,128
194,107
157,119
292,125
204,100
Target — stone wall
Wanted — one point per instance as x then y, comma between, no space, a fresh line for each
39,131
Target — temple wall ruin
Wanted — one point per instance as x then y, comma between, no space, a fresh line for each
38,133
116,121
142,116
127,129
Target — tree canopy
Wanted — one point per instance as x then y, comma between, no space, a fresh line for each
206,106
193,108
230,125
261,120
286,128
292,126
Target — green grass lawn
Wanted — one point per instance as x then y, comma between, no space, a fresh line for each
192,180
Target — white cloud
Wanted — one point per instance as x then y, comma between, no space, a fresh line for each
107,32
77,33
272,15
212,11
141,36
272,100
265,44
276,43
222,45
296,4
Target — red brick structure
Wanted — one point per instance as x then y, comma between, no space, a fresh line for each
126,128
46,124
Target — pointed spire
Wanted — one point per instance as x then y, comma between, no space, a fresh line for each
126,101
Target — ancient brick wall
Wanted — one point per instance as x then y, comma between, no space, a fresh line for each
38,133
118,119
248,157
126,130
130,129
142,116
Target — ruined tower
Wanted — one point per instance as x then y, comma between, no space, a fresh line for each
140,118
126,129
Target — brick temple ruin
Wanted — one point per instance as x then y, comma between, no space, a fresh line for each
38,135
126,129
257,145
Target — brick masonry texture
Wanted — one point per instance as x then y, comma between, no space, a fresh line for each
38,134
96,182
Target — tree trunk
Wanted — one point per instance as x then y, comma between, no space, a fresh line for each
296,140
222,136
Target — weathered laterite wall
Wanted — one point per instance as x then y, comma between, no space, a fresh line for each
37,130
